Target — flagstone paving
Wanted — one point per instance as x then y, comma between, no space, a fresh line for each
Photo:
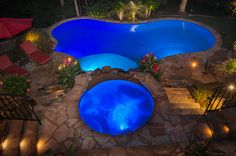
62,125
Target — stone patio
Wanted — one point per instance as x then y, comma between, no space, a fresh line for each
62,125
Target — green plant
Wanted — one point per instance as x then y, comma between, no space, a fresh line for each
71,151
96,14
149,6
67,72
134,9
233,6
48,153
202,149
149,63
120,10
201,95
229,66
14,84
40,39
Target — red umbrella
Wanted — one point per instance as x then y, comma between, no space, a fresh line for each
10,27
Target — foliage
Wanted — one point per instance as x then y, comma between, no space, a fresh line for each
229,66
67,72
234,46
40,39
149,6
14,84
134,9
120,10
201,95
96,14
233,6
149,63
202,149
48,153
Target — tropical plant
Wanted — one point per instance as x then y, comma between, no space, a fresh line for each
202,148
134,9
149,6
120,10
96,14
149,63
15,84
201,95
229,66
233,6
67,72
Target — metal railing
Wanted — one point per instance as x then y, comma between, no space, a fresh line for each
17,107
221,98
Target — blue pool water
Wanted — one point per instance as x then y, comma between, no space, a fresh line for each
116,107
123,45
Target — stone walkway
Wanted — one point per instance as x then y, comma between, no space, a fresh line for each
62,125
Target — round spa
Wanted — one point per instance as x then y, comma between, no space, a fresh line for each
116,107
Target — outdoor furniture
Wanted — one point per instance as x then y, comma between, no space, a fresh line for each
34,53
8,67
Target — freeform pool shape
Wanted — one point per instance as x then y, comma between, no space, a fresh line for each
128,43
116,107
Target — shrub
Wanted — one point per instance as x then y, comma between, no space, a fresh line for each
233,6
149,6
201,95
14,84
67,72
40,39
230,66
149,63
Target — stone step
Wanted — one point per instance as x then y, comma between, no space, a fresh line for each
3,129
191,111
29,138
185,105
12,140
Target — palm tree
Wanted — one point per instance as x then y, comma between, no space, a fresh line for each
134,9
149,6
182,6
120,10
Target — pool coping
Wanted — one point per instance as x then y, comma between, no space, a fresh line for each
216,34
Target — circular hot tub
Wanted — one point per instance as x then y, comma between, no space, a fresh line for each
116,107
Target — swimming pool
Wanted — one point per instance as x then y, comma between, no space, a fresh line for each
127,43
116,107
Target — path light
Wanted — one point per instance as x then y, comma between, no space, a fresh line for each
225,129
194,64
40,145
69,59
5,144
1,83
23,144
231,87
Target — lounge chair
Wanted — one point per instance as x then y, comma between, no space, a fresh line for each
34,53
8,67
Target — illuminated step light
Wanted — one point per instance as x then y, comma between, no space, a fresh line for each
5,143
40,145
225,129
23,144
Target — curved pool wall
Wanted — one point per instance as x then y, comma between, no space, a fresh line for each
84,37
116,107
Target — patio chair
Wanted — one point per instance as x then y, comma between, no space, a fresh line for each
8,67
34,53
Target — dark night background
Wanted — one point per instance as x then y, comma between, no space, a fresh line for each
47,12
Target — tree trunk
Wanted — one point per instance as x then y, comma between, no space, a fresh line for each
182,6
62,2
76,8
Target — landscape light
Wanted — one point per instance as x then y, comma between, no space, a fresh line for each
194,64
231,87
